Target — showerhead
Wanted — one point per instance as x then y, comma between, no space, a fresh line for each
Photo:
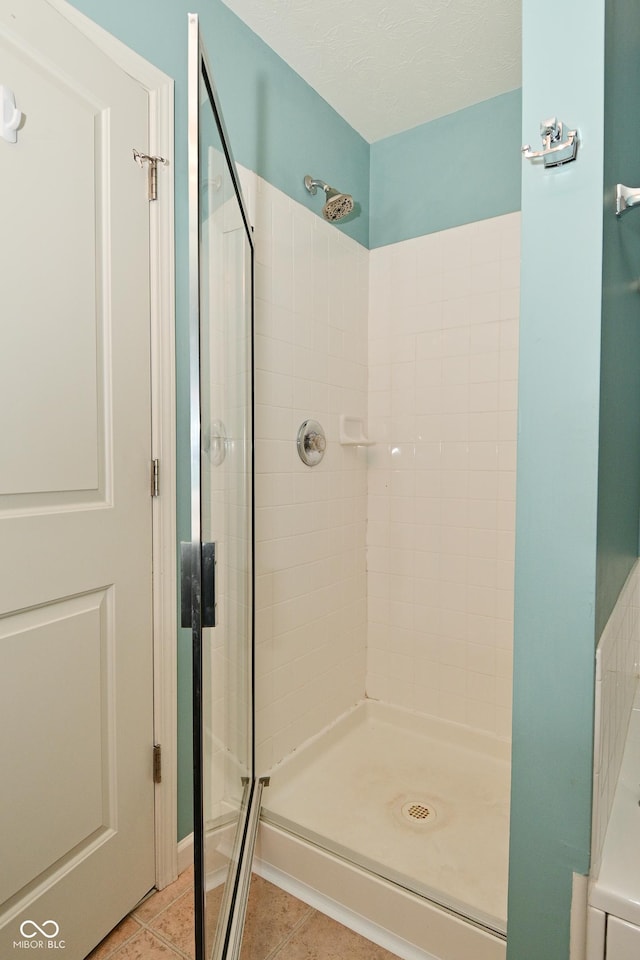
337,205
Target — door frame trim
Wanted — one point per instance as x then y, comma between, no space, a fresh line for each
160,89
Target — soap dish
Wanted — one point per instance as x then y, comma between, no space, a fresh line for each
352,432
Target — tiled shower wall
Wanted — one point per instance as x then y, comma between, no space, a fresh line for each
310,362
420,340
443,347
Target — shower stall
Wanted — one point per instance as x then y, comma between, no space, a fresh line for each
352,619
385,573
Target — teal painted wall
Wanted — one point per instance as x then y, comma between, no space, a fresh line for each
457,169
619,469
280,128
557,493
278,125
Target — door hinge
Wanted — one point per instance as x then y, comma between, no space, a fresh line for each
152,185
155,478
157,763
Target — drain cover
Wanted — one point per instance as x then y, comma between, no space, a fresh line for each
418,812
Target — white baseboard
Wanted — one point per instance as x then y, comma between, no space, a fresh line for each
185,853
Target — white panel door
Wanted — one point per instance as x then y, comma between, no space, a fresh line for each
76,723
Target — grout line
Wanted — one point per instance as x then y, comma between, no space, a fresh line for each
301,922
123,943
168,943
168,906
146,925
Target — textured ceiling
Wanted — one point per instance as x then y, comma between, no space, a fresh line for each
388,65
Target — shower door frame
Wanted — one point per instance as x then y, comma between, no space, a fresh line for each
228,939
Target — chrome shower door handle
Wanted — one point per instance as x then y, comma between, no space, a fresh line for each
206,577
208,574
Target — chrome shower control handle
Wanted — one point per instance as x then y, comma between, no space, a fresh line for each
312,442
315,441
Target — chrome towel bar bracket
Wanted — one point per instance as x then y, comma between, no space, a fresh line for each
555,149
626,198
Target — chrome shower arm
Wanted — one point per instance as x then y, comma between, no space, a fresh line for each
312,185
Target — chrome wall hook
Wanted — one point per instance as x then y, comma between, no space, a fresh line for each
626,198
555,150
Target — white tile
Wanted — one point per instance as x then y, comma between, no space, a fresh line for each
483,455
456,245
482,715
483,543
482,572
456,540
456,369
449,398
481,659
402,349
485,396
453,680
454,341
455,484
452,707
484,484
486,242
453,653
482,686
510,273
455,312
483,307
485,338
485,277
454,455
484,368
508,369
507,455
509,304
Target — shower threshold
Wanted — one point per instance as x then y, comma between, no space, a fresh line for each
417,801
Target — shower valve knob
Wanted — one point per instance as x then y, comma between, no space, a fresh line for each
315,441
311,442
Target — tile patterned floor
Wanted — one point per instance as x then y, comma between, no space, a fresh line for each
278,927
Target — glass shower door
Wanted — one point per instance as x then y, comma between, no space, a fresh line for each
217,596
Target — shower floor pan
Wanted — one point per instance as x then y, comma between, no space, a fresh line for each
419,801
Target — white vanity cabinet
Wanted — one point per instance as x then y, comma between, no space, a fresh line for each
614,896
623,940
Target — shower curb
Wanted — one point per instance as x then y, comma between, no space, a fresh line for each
394,918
